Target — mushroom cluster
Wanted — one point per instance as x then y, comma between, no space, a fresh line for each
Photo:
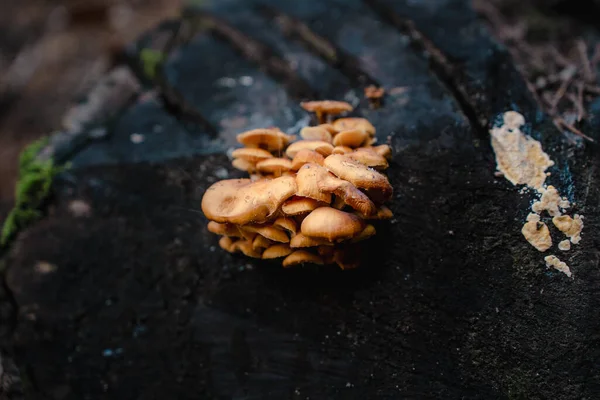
305,201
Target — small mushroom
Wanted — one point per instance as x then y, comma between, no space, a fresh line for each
369,157
260,242
276,251
300,205
315,133
308,180
375,184
276,166
365,234
306,156
287,224
301,257
244,165
251,155
343,124
382,212
331,224
225,243
325,108
242,201
314,178
224,229
301,240
319,146
246,248
271,139
351,138
342,150
329,128
374,94
268,231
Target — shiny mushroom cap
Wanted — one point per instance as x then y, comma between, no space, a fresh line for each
268,231
315,133
369,157
275,166
242,201
316,179
302,257
331,224
306,156
352,138
276,251
330,107
300,205
343,124
375,184
271,139
251,155
319,146
308,179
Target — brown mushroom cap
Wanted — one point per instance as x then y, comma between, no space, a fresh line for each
343,124
331,107
250,154
342,150
382,212
243,165
224,229
300,205
287,224
225,243
306,156
365,234
331,224
319,146
315,133
246,248
277,251
369,157
301,240
314,178
260,242
351,138
384,150
301,257
268,231
274,166
269,139
329,128
242,201
374,92
307,179
375,184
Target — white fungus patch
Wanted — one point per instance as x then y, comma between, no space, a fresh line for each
522,161
554,262
564,245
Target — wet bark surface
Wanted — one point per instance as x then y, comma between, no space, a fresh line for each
120,292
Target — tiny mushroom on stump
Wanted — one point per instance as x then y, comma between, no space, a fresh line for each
374,94
315,200
325,108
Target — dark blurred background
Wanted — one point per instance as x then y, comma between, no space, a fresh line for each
51,52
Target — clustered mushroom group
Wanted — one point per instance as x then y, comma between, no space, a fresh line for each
306,201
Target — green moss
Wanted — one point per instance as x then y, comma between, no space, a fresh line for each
33,187
151,60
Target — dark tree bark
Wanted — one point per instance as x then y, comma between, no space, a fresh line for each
122,293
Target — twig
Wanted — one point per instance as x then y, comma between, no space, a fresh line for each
592,88
588,73
561,122
561,92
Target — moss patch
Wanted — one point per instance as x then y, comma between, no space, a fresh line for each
33,187
151,60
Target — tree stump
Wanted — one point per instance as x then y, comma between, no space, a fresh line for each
121,292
